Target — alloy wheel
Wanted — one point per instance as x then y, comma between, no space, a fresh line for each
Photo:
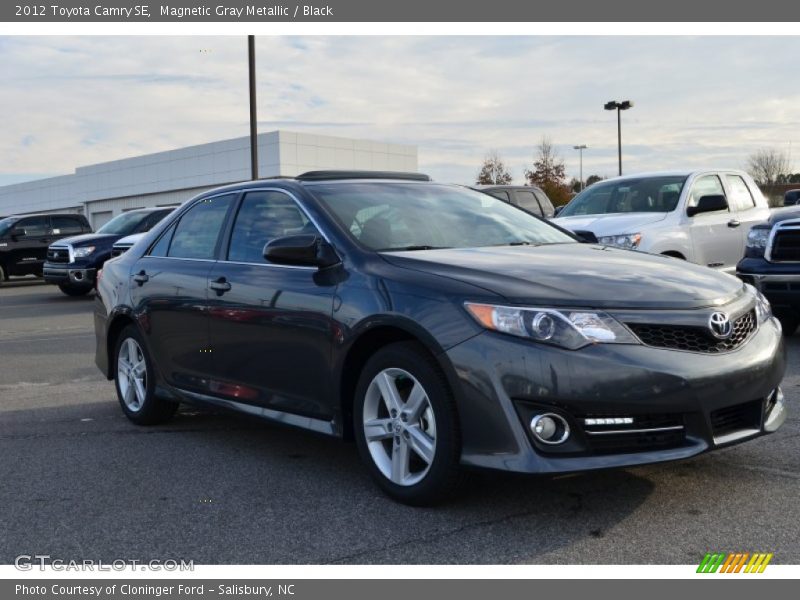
132,375
399,426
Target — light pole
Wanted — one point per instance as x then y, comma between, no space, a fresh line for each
580,150
619,107
251,56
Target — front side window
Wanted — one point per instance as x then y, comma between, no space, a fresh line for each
708,185
741,198
646,194
124,224
264,216
499,194
33,226
198,230
412,216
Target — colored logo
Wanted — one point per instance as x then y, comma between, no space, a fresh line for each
737,562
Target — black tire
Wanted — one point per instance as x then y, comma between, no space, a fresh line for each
151,410
789,323
3,275
444,475
71,290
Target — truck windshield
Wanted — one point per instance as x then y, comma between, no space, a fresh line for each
415,216
124,224
645,194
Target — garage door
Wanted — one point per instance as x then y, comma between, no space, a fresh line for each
101,218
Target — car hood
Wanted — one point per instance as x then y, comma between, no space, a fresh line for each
613,224
578,275
90,239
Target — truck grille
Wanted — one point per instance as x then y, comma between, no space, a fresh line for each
786,245
695,339
58,254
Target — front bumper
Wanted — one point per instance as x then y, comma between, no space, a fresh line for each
69,274
717,399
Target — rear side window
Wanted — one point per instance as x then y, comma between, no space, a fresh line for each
264,216
198,230
547,207
526,200
500,195
66,225
741,198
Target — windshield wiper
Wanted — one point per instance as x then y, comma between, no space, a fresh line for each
412,248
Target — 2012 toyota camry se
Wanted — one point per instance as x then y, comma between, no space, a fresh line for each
438,327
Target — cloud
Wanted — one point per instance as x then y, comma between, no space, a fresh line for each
699,101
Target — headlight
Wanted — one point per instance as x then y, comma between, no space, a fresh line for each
763,307
571,329
629,241
83,252
757,238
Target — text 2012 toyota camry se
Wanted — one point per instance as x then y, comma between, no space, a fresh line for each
439,327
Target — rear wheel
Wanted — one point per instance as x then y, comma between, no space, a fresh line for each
406,426
135,381
3,275
71,290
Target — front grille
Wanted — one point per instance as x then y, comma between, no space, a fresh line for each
58,255
695,339
731,419
786,246
646,433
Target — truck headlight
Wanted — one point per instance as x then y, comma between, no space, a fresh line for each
757,238
82,252
571,329
629,241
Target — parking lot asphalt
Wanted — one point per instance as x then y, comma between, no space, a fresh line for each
81,482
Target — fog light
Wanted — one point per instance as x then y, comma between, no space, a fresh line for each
550,428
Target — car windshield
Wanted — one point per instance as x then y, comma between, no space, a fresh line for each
645,194
124,224
412,216
6,225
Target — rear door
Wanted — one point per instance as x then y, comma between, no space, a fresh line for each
271,325
716,236
29,250
169,289
743,201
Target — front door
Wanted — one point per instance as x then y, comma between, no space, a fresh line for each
169,289
716,236
29,249
271,325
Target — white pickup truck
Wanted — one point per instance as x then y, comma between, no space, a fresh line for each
700,216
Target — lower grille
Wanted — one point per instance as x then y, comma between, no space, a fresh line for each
645,433
58,255
734,419
695,339
786,246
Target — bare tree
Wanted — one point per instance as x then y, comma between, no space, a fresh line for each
768,165
493,171
549,173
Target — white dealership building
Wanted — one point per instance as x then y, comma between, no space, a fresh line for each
104,190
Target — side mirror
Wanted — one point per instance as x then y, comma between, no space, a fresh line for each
300,250
710,203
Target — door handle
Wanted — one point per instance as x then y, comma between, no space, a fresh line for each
141,278
220,286
733,223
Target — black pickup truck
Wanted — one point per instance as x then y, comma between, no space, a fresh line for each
24,240
772,264
72,263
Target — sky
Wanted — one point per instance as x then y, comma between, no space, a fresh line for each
699,101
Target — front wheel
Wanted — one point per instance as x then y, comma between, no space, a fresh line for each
406,426
135,381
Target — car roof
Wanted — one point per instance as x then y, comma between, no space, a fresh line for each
44,215
673,173
483,186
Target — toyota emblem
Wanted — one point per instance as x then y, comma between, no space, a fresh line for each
720,326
